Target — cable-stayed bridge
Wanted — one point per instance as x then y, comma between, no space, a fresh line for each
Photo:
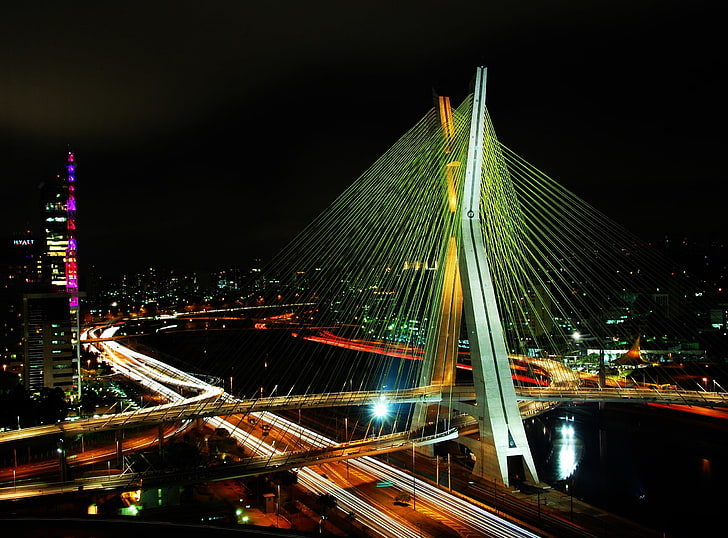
451,279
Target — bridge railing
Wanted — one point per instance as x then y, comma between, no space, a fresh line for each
667,396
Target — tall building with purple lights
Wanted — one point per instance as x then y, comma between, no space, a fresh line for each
71,260
58,263
51,310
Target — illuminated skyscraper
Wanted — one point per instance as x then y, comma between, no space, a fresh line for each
51,312
58,267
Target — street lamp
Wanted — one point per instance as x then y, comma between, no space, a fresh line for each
278,506
414,480
380,409
346,440
449,481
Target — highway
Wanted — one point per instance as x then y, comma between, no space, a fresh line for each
468,516
213,401
469,519
189,397
478,520
157,376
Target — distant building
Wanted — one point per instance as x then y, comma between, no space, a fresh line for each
18,273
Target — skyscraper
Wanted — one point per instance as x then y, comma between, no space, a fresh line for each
58,267
51,311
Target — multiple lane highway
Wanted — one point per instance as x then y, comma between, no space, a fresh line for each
184,391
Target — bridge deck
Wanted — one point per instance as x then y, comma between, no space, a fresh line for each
222,405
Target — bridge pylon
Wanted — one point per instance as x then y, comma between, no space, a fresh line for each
501,449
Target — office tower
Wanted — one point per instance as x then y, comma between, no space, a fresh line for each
51,311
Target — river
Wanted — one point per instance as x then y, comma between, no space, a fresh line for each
662,467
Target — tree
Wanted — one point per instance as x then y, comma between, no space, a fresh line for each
52,405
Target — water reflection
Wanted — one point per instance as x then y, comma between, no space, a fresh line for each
567,448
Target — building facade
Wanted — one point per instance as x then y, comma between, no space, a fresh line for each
50,307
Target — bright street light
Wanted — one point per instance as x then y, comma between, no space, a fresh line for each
380,409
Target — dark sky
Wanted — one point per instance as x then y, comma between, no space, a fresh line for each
210,133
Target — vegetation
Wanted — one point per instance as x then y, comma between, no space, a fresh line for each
19,407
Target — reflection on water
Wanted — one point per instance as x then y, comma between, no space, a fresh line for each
663,468
559,446
568,448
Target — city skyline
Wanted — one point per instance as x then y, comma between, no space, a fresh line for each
201,138
206,139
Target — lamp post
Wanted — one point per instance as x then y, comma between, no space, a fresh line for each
346,440
449,481
571,498
278,506
414,480
571,504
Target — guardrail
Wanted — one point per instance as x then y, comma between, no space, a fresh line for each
216,405
622,394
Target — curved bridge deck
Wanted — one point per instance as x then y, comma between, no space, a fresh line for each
533,401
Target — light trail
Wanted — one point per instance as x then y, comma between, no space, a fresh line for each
127,361
469,515
376,519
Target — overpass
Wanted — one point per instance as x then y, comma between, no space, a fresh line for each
222,404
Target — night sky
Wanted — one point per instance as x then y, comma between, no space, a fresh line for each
207,134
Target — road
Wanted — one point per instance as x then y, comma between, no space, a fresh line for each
437,504
378,517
